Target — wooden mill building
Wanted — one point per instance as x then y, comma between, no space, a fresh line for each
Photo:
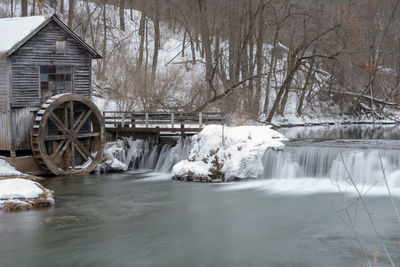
39,57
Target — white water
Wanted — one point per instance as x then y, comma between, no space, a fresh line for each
330,162
294,170
161,158
308,170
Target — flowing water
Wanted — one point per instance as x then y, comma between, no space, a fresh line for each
291,216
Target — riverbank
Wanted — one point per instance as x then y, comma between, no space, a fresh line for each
22,194
20,191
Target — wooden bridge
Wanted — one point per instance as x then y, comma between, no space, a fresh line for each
159,124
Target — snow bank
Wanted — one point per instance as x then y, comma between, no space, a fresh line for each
7,170
223,153
23,194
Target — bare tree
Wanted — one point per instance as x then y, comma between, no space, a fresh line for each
24,8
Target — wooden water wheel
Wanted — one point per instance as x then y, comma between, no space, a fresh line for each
68,135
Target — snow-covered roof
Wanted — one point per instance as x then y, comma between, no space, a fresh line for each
14,30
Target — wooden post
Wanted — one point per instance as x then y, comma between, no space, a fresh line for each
133,126
183,131
158,135
147,120
200,120
172,120
123,120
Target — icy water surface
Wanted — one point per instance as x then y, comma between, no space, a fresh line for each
148,220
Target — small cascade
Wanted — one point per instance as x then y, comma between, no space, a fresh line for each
161,158
331,162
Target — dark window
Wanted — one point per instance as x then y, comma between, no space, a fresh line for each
55,80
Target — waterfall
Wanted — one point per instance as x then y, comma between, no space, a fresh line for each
331,162
161,158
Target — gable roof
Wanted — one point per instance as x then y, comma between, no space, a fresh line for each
15,32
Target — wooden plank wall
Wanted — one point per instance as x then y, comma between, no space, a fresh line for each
4,140
41,50
3,84
21,121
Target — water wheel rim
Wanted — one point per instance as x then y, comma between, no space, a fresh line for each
70,139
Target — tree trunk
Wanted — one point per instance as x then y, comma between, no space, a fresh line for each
184,44
33,11
156,45
205,38
24,8
192,48
285,86
259,62
303,92
122,15
71,9
282,105
61,6
141,34
104,50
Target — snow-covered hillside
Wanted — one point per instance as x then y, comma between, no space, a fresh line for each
180,82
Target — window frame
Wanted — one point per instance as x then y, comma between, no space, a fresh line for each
62,44
43,97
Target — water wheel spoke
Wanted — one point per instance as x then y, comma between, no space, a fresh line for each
55,137
62,151
59,146
82,150
59,124
83,121
71,109
78,120
86,135
66,116
72,155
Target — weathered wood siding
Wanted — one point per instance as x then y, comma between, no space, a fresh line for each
21,121
4,139
40,50
4,77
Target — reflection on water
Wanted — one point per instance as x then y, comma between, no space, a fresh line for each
146,219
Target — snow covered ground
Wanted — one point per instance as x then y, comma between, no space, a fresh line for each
224,153
7,170
16,194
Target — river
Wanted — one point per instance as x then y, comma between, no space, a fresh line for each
143,218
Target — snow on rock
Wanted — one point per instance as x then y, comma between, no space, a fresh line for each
223,153
7,170
119,155
16,194
14,30
195,170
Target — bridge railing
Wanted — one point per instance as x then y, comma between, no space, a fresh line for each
125,119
